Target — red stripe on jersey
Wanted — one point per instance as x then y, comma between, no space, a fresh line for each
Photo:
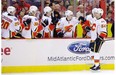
103,35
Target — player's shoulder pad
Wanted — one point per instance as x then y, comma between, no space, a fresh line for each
34,18
88,17
4,13
44,17
63,18
74,18
25,16
15,19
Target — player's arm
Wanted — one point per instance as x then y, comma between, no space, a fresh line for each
59,29
38,32
85,24
15,31
45,22
103,30
27,22
36,28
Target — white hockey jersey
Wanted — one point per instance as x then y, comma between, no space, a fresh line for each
27,31
46,29
100,26
91,19
68,27
9,24
92,33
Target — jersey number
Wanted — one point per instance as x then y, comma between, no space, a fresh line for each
5,24
93,27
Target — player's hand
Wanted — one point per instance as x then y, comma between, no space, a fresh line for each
17,36
39,35
87,28
27,22
45,23
60,34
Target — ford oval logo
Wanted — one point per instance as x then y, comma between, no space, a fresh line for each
80,47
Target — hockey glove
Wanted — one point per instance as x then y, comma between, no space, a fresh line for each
39,35
45,23
17,36
60,34
87,28
27,22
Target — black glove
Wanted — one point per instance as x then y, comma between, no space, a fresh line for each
39,35
87,28
27,22
60,34
17,36
45,23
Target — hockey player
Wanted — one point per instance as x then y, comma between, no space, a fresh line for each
46,22
95,46
31,24
86,26
92,32
66,26
10,24
92,19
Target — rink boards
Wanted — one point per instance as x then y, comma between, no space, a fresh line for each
48,55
